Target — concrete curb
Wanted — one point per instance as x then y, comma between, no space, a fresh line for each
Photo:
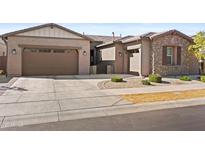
17,121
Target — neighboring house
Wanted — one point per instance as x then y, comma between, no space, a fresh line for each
2,55
51,49
48,49
165,53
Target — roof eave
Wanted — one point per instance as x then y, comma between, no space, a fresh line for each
130,41
105,44
173,32
6,35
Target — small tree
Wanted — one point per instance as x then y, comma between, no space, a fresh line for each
198,49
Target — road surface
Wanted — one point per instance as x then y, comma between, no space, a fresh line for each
187,118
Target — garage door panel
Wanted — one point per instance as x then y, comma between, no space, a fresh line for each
39,63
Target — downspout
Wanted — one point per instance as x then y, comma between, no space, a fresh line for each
5,41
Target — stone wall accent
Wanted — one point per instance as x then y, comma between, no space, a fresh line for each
189,64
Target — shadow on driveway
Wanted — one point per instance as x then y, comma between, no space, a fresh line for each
12,88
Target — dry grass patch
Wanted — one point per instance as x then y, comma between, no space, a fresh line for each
164,96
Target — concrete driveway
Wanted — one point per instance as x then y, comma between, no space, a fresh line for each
35,100
47,99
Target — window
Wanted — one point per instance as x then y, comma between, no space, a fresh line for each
30,50
58,51
44,50
170,55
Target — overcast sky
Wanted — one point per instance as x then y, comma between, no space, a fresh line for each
107,29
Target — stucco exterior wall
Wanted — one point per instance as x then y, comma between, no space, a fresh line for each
121,59
127,59
108,54
189,64
145,57
50,32
14,63
134,62
2,49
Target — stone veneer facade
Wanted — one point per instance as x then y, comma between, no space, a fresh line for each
189,64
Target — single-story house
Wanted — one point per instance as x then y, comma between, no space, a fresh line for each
165,53
51,49
48,49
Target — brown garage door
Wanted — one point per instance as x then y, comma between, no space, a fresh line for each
49,62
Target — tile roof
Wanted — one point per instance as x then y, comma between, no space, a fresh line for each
101,38
152,35
149,35
173,31
134,38
120,39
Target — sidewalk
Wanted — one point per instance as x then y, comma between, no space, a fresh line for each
85,101
17,121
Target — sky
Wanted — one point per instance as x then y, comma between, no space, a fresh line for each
119,28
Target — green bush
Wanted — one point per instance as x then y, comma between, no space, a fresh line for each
155,78
185,78
146,82
202,78
116,79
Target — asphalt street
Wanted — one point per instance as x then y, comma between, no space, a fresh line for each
177,119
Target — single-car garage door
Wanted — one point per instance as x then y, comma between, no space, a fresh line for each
49,62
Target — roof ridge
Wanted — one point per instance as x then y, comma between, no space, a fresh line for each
101,35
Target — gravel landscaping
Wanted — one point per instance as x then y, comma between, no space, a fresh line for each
136,83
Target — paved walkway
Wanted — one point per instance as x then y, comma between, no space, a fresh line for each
41,100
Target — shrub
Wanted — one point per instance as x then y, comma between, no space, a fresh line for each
146,82
202,78
185,78
116,79
2,72
155,78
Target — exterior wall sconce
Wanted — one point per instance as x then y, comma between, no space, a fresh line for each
120,54
13,52
84,53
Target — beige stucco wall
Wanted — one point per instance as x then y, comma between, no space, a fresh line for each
50,32
108,54
120,63
14,63
127,59
121,56
2,48
145,57
189,64
135,62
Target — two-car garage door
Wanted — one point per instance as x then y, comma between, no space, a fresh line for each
49,62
